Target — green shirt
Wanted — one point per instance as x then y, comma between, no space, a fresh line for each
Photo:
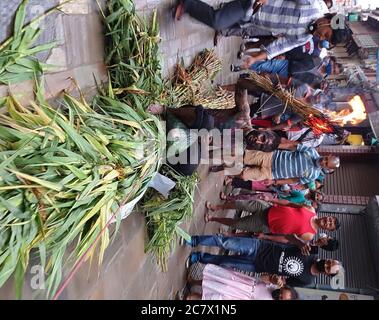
296,196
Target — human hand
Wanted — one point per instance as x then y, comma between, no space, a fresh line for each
258,4
276,119
264,197
248,61
277,280
265,277
306,249
259,235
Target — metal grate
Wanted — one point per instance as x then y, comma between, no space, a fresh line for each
353,252
353,179
365,41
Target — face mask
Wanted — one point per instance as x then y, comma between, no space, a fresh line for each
325,44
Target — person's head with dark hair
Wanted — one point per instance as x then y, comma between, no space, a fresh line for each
316,195
327,266
329,3
328,223
319,184
285,293
266,141
324,29
327,243
340,36
340,134
330,67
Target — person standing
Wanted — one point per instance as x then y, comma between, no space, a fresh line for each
291,219
292,22
220,283
254,255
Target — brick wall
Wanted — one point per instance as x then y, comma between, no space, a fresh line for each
351,153
338,199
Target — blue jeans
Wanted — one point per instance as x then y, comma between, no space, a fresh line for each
246,247
280,67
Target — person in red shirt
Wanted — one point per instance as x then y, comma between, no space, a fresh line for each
282,218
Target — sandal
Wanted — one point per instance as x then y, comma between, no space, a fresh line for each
227,181
216,168
234,68
178,10
216,38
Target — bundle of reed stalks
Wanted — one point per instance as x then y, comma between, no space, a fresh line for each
194,84
287,96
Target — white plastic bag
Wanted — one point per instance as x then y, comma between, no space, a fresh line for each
162,184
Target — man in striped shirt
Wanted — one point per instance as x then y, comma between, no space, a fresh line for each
286,167
292,21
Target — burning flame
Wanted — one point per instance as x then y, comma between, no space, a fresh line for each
318,125
354,116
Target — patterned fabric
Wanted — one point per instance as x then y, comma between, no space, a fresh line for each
296,196
302,163
288,19
224,284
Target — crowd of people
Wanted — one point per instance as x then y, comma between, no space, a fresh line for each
282,174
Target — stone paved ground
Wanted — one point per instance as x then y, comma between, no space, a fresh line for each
127,272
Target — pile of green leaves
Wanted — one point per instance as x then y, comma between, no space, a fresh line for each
65,170
164,216
63,173
132,53
133,59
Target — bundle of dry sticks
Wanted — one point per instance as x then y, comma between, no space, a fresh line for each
312,117
194,84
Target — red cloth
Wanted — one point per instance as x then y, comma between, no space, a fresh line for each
267,123
289,220
261,123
